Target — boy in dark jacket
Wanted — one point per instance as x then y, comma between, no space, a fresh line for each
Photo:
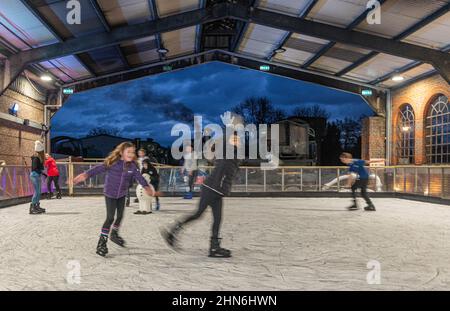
215,187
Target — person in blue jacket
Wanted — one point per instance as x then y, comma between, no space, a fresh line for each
357,167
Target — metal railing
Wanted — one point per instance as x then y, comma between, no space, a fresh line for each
433,181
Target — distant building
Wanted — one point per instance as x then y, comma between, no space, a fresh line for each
297,142
99,146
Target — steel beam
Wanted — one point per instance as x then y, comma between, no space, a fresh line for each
121,34
302,15
427,20
328,46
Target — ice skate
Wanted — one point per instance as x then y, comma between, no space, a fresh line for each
157,206
127,203
216,251
116,238
370,208
102,249
49,195
34,210
170,238
138,213
39,208
353,207
58,195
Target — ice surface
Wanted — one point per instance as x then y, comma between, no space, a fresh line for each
278,244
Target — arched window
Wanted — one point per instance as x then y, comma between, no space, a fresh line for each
438,131
406,129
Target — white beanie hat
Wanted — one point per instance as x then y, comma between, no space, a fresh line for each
38,146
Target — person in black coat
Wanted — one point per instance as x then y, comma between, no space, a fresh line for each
216,186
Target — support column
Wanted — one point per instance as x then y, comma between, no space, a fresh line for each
373,138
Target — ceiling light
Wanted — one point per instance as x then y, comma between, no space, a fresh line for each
46,77
163,50
398,78
280,50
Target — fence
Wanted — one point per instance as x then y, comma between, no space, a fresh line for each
430,181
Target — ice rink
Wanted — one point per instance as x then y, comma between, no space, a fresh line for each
278,244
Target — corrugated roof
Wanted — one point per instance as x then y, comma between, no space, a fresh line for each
28,24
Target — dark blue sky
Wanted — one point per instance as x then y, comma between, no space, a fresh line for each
149,107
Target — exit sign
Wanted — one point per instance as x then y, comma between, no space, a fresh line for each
68,91
366,92
167,68
264,68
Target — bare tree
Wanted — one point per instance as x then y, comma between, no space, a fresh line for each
259,110
113,131
314,111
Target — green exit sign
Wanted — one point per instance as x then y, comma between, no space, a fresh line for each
68,91
167,68
264,68
366,92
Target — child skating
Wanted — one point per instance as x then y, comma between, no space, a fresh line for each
357,166
120,169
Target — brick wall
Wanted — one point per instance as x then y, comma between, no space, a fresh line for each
373,138
419,95
17,140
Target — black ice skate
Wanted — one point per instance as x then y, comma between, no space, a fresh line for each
49,195
353,207
116,238
370,208
170,237
127,202
39,208
216,251
102,249
58,195
34,210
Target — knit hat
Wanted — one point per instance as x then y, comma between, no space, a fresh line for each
38,146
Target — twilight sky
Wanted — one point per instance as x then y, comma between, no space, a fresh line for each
149,107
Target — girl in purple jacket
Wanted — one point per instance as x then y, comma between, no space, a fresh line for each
120,168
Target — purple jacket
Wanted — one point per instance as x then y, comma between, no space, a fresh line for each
119,178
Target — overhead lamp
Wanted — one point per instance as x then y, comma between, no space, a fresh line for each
46,77
163,50
14,109
406,128
280,50
398,78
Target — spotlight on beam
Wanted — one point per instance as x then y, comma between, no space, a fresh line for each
163,50
46,77
398,78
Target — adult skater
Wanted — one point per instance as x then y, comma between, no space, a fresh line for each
37,167
357,166
215,187
121,169
52,176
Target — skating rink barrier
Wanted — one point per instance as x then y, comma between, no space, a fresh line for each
432,181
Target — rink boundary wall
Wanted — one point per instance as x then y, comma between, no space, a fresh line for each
325,194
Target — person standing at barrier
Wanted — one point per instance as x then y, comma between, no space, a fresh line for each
37,167
121,169
52,176
357,167
215,187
